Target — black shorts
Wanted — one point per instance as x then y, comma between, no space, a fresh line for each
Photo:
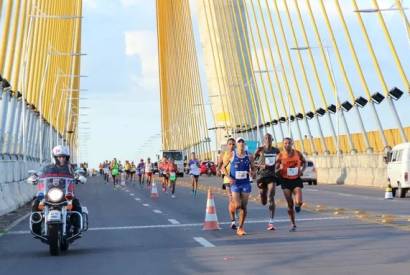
265,180
291,184
195,176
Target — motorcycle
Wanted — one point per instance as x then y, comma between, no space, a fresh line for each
53,220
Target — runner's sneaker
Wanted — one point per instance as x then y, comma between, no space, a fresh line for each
293,228
240,232
233,226
271,227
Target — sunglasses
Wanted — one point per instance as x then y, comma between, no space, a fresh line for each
241,141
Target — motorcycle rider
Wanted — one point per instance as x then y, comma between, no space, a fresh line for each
61,168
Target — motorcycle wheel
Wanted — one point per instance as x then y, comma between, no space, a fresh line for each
54,239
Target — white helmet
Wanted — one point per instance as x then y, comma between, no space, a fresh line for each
60,150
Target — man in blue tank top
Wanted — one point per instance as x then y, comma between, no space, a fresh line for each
241,171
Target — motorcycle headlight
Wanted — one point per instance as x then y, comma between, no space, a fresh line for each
55,194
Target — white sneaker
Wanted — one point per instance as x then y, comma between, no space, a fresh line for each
173,196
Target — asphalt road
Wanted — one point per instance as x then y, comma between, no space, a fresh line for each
130,233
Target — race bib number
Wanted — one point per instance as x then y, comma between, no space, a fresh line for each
241,175
172,176
292,172
270,161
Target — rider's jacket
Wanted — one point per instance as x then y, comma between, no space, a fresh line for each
53,170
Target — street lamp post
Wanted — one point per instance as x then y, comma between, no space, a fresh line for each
59,75
50,53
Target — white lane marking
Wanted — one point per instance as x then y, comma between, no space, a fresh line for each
137,199
173,221
134,227
203,242
132,194
145,204
312,189
157,211
345,195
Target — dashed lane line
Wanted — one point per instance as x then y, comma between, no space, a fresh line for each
204,242
157,211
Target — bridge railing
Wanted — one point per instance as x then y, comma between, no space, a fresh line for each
25,144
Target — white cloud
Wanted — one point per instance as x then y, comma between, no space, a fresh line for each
143,44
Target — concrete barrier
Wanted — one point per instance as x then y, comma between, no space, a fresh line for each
14,190
358,169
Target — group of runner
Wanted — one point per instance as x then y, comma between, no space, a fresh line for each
167,170
112,170
270,167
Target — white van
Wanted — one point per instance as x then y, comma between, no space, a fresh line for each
398,168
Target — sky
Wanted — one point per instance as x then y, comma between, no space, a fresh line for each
119,37
123,119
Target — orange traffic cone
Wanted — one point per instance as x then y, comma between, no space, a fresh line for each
154,191
211,220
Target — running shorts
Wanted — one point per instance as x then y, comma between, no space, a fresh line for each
291,184
241,188
266,180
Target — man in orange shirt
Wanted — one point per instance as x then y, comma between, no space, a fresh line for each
290,165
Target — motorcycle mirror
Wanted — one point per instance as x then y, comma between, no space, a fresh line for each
32,180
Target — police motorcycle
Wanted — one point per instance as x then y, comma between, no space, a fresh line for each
55,214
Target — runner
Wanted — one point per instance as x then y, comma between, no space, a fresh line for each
101,169
194,171
265,160
240,173
291,164
114,171
106,171
226,181
133,170
172,175
127,168
148,169
141,171
161,168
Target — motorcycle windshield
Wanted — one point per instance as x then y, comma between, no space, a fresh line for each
46,183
